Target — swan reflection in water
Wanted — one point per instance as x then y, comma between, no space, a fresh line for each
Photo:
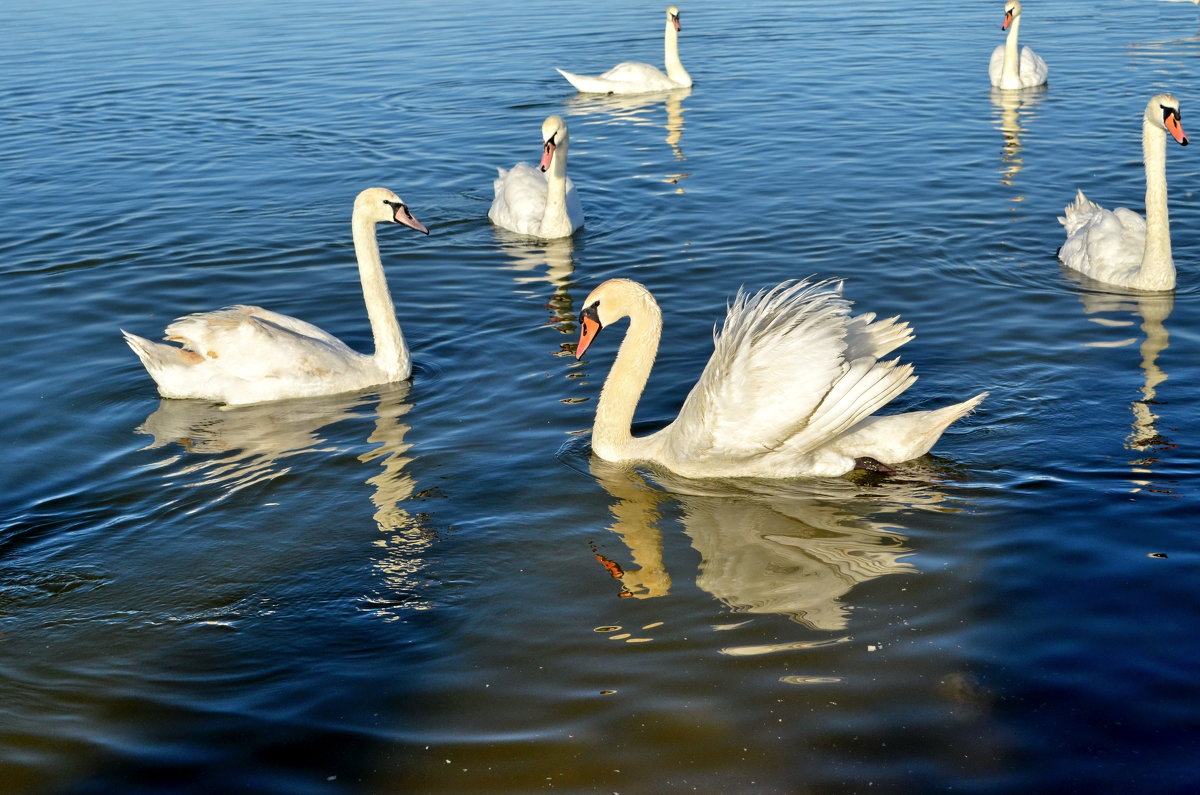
1015,106
794,548
1152,311
528,257
637,109
233,448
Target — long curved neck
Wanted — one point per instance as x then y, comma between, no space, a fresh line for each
1010,75
1158,269
675,69
612,434
391,354
555,220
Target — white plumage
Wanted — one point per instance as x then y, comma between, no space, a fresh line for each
540,202
247,354
1012,66
789,390
634,77
1119,247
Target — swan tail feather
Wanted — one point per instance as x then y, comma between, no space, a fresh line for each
156,357
586,84
1078,213
894,438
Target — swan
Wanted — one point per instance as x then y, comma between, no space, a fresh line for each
1011,67
247,354
542,201
632,77
789,390
1118,246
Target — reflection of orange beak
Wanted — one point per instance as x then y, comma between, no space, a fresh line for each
547,154
1176,129
588,329
1007,20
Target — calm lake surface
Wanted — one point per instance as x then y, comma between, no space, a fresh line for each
411,589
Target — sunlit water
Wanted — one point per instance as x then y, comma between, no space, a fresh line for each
431,587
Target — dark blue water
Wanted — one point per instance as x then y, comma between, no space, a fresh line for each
411,589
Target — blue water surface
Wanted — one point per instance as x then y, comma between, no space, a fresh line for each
413,588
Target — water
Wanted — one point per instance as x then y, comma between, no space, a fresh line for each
412,588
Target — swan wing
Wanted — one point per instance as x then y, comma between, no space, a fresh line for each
249,342
779,378
520,200
996,65
630,77
1034,71
1104,244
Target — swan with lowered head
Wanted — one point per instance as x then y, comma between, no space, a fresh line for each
541,201
632,77
789,390
1012,66
1118,246
247,354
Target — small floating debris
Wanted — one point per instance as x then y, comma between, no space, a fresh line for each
810,680
1157,555
609,628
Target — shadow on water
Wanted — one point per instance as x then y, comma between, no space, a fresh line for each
795,548
637,109
1017,107
1120,312
234,448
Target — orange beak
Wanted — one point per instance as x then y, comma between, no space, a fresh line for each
675,22
547,154
1176,129
1007,20
588,329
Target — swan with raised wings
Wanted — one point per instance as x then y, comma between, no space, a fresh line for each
1012,66
790,388
1118,246
247,354
634,77
540,202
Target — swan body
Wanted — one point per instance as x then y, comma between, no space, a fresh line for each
790,388
1119,247
1012,66
633,77
247,354
541,201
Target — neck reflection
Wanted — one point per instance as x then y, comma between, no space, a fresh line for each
795,548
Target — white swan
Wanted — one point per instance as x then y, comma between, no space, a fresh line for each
1118,246
1013,67
247,354
789,390
539,201
632,77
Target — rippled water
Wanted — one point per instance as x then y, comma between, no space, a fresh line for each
416,588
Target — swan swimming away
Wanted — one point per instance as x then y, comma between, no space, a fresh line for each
633,77
1118,246
790,388
541,201
1013,67
247,354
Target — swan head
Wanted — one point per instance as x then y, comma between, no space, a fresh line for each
380,205
554,135
1163,112
608,303
673,17
1012,10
